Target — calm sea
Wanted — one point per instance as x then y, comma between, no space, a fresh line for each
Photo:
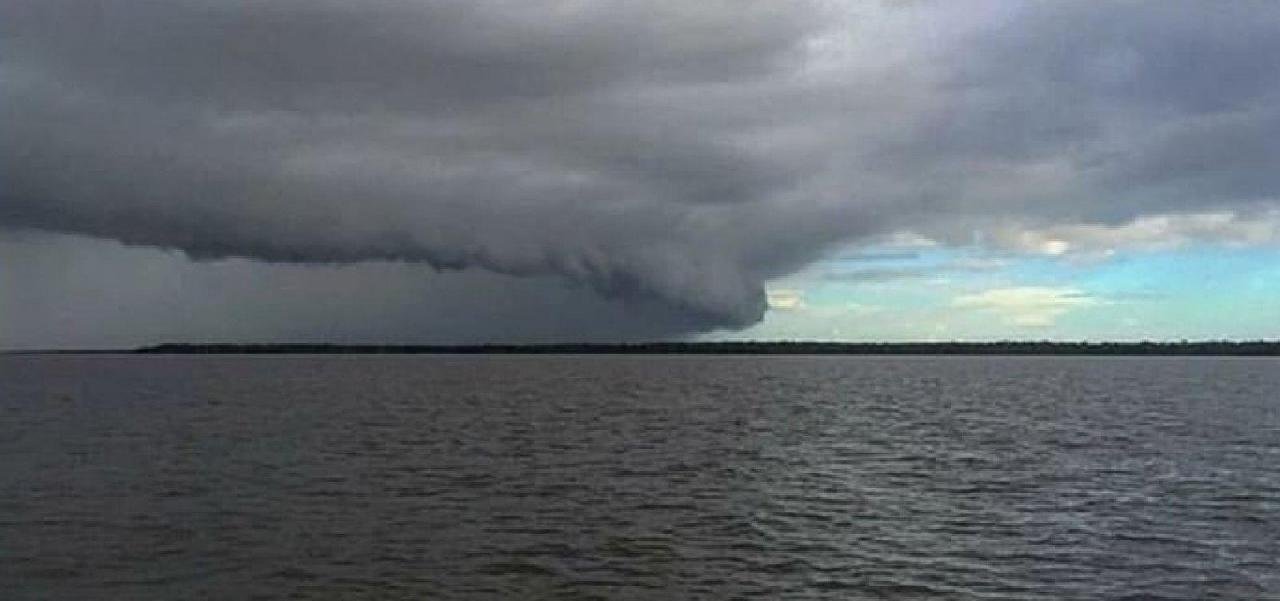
646,477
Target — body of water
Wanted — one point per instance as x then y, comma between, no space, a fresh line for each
638,477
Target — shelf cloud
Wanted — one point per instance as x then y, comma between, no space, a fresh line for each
657,153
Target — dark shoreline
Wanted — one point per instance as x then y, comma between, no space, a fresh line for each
1104,349
1209,348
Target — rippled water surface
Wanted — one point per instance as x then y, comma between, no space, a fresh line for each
349,477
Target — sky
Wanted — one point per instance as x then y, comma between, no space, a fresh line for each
471,171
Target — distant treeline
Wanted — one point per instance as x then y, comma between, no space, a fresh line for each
1208,348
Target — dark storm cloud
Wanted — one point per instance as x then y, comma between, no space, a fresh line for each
170,298
1102,112
419,56
673,154
523,138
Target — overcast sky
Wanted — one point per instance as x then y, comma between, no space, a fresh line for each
532,170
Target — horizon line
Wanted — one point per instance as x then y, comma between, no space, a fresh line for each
1206,347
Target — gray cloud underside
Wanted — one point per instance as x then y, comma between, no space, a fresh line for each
679,153
102,294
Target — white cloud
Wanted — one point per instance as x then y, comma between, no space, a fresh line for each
786,299
1027,306
1155,232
